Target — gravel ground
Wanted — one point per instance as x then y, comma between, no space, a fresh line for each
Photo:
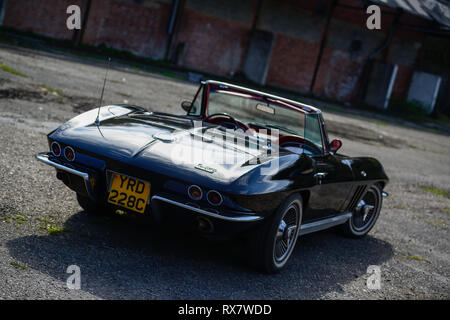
43,230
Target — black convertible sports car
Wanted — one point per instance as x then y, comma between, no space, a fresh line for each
239,162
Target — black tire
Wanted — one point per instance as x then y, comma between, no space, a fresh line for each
357,226
265,243
92,207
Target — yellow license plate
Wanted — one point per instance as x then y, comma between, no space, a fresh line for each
129,193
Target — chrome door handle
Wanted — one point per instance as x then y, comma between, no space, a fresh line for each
320,175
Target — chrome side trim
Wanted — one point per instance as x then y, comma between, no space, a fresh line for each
324,224
43,157
208,213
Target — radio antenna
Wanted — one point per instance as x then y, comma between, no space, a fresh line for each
97,120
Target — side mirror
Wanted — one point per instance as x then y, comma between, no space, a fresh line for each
335,145
186,105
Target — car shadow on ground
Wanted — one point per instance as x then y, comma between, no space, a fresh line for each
121,258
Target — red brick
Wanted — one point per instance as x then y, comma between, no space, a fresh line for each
129,26
338,76
292,63
47,18
402,81
213,44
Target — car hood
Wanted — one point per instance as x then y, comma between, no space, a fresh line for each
171,144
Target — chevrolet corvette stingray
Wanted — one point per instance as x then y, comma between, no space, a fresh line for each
238,162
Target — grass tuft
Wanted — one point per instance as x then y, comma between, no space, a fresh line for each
439,223
436,191
44,220
47,88
54,230
120,212
51,228
4,67
20,219
417,258
18,265
380,124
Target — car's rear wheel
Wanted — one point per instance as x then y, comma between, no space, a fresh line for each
274,241
92,207
365,214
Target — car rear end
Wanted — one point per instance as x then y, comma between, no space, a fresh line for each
119,185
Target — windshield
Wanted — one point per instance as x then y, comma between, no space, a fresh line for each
257,111
260,112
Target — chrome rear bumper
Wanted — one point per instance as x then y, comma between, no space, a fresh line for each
238,218
44,157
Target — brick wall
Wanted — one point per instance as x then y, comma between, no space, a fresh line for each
210,44
47,18
292,63
213,37
126,25
402,81
214,34
297,34
347,48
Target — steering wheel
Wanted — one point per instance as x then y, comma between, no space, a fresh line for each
226,115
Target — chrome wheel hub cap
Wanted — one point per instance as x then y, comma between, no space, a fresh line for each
286,233
365,211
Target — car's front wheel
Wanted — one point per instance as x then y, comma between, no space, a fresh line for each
365,214
273,243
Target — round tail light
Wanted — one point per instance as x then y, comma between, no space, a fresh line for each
69,153
195,192
55,148
214,198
